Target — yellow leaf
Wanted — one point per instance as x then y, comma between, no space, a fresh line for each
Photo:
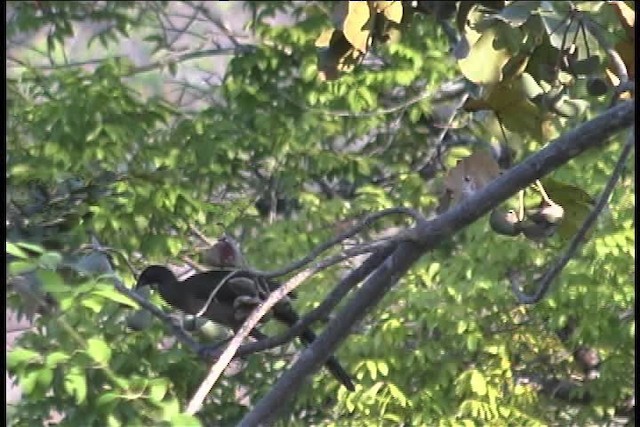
356,25
484,63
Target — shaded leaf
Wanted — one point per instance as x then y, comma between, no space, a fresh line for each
392,10
51,281
576,203
509,101
517,13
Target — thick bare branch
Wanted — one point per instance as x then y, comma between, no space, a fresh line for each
428,235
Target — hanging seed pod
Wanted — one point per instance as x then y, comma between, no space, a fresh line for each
537,232
505,223
550,213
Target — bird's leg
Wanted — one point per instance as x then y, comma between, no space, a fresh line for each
209,351
206,351
244,305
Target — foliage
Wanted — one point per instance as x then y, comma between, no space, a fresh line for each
336,114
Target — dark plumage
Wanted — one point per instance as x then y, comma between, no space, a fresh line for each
191,294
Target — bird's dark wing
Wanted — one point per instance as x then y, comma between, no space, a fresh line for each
201,285
198,288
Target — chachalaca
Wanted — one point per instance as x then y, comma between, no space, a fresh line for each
229,306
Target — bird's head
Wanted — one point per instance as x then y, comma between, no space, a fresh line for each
155,275
224,253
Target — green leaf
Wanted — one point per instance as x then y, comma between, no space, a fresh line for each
45,376
110,293
170,409
372,368
158,389
106,398
31,247
75,383
185,420
99,350
20,356
472,342
383,368
54,359
51,281
397,394
92,304
16,251
28,382
50,260
21,267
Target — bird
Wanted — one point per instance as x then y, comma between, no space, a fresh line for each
231,304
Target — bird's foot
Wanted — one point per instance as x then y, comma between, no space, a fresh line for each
212,350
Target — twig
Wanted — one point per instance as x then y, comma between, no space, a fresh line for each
216,21
201,235
616,61
179,333
437,144
346,113
215,291
366,222
545,282
194,265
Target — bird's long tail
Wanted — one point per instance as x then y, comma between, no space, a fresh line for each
290,317
307,337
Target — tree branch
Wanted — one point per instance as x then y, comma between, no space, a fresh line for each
364,223
428,235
